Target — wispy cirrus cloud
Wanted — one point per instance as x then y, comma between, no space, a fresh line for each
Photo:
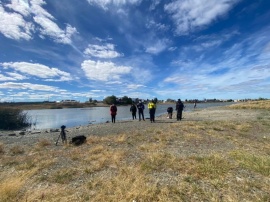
190,15
157,47
105,3
28,86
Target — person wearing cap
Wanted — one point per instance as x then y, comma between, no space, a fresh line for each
140,107
179,108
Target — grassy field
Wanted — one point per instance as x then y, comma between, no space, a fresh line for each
188,161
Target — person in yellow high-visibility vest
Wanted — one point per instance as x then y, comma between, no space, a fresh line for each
152,110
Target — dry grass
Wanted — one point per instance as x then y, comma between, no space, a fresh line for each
183,161
263,104
2,150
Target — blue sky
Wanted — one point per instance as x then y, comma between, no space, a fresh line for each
188,49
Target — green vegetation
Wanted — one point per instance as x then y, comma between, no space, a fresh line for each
12,118
113,100
110,100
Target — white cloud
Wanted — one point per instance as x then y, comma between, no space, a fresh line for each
27,86
135,86
106,51
104,71
6,78
48,26
158,26
38,70
13,25
16,76
20,6
189,15
158,46
105,3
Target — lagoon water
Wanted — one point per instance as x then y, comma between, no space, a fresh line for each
70,117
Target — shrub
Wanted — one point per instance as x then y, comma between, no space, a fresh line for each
11,119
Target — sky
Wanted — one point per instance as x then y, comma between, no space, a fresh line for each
53,50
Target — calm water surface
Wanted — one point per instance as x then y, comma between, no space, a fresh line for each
54,118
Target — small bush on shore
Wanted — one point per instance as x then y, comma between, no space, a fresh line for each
11,119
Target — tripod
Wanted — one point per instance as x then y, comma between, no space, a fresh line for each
62,135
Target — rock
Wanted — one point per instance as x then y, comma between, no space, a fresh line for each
22,133
78,140
12,134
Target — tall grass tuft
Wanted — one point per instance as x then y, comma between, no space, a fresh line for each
11,119
2,151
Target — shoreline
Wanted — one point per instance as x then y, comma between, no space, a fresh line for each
126,126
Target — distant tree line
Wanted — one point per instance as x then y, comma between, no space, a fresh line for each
114,100
124,100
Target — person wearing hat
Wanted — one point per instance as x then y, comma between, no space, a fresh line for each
179,108
140,107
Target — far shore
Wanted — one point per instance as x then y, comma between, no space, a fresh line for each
59,105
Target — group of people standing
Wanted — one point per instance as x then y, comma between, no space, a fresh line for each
152,110
133,110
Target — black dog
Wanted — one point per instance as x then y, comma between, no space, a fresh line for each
78,140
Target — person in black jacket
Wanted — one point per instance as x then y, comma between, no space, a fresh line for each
179,109
140,107
133,111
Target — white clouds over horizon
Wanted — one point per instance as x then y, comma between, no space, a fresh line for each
27,86
37,70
